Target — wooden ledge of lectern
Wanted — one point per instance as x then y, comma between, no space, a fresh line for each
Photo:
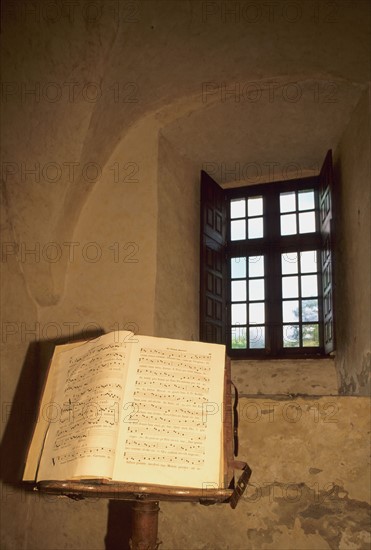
132,491
145,498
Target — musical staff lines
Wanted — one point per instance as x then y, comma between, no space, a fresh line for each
170,388
90,386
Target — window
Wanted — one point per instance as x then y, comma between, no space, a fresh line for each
266,286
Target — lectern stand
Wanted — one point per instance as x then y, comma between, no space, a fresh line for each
145,498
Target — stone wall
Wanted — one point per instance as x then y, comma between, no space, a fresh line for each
150,67
353,260
309,488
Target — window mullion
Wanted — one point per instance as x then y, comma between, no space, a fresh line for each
273,281
272,242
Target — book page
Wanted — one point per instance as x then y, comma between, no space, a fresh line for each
42,424
173,434
83,419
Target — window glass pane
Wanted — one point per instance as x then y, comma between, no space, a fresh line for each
238,337
238,291
238,230
238,314
255,206
255,226
289,263
290,287
309,310
256,313
256,337
306,200
309,286
291,336
238,208
288,224
256,289
290,311
256,266
310,335
307,222
238,267
308,261
287,202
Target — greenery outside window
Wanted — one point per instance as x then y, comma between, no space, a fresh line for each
266,267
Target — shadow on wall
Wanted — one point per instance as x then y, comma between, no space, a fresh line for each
118,525
21,416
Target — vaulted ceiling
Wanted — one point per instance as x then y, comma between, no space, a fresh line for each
262,84
258,85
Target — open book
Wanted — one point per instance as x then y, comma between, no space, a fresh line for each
133,409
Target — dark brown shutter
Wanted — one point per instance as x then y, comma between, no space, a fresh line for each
213,265
326,219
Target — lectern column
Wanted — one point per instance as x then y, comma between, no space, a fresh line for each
144,525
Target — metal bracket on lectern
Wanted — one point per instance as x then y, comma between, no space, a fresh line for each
241,483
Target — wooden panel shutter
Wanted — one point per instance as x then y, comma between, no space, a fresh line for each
212,262
327,260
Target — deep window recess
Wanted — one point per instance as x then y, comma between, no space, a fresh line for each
266,267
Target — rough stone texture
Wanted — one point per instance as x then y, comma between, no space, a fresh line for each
310,486
353,267
309,377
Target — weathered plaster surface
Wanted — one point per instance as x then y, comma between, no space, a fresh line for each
353,259
118,267
309,376
177,246
150,65
310,486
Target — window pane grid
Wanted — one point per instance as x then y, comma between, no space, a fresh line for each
256,294
253,293
297,212
300,300
248,302
238,208
246,217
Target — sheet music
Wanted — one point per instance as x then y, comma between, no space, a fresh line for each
168,438
84,415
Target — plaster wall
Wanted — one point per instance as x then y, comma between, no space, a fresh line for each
166,55
177,281
108,284
110,279
18,311
353,261
304,493
285,377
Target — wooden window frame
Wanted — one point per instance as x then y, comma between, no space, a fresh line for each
215,325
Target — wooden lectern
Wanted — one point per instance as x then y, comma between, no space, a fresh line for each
145,498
